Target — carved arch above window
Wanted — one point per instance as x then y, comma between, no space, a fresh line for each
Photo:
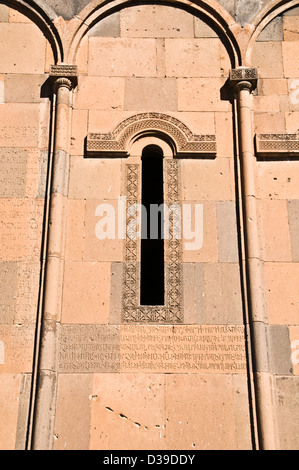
182,140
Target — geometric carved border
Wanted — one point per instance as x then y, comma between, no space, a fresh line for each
179,136
132,311
277,145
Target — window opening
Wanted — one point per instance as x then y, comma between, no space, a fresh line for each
152,223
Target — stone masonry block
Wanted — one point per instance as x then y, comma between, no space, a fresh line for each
290,59
151,94
28,53
293,217
287,409
281,281
74,398
262,59
109,93
156,21
119,57
86,292
227,232
107,27
201,57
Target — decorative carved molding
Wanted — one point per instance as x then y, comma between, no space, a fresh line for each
182,140
132,311
64,72
277,145
243,76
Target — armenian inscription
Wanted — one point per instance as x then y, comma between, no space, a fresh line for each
152,348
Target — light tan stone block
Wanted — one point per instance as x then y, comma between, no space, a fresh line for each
33,178
199,123
278,181
291,28
227,232
282,292
203,30
16,16
28,283
95,178
292,122
4,13
209,250
223,293
128,410
9,402
13,166
155,21
119,57
21,226
17,348
273,86
75,229
86,292
23,88
275,230
79,131
82,56
293,219
107,27
269,123
151,94
105,121
199,94
206,180
19,123
8,288
109,93
224,135
287,410
192,401
28,53
72,423
101,240
294,339
290,59
201,57
266,104
263,53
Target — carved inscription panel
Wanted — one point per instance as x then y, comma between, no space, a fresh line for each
152,349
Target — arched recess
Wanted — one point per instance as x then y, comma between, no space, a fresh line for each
262,19
42,15
209,10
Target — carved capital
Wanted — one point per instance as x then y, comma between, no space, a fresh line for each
243,78
64,75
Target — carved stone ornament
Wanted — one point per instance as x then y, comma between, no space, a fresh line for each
277,145
242,76
183,142
64,72
132,311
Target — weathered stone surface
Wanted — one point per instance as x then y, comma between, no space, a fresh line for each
293,213
151,94
286,392
107,27
74,393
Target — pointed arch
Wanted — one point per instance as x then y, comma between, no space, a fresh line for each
210,10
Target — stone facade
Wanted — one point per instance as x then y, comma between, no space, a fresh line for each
85,86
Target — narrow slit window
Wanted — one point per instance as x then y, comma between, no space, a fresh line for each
152,241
